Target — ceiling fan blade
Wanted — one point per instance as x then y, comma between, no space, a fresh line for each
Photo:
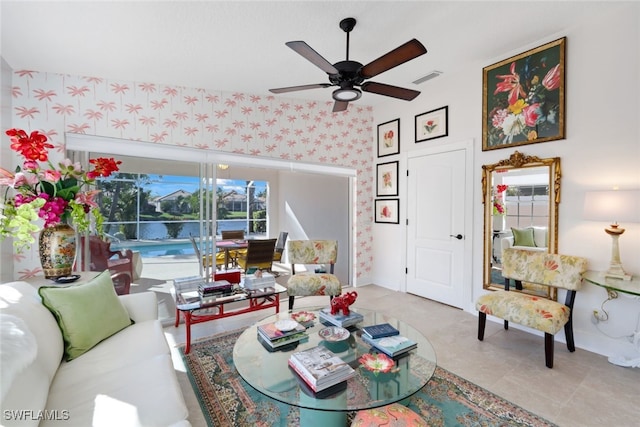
408,51
302,87
340,106
388,90
314,57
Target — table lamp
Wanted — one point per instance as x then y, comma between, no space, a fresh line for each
613,206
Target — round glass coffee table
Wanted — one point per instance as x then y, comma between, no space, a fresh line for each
268,371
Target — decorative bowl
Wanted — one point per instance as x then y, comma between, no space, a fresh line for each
334,333
286,325
303,317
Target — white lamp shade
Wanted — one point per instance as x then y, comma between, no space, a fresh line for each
615,206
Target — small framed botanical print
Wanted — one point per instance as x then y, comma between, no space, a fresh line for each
389,138
387,211
387,179
432,124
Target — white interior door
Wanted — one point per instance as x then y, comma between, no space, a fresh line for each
436,207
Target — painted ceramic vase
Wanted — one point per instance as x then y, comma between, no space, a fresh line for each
57,248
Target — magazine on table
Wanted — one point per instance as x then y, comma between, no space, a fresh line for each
320,394
271,332
391,346
320,368
284,343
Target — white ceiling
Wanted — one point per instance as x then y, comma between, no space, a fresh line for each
239,45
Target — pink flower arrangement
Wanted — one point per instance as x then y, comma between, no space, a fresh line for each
42,191
498,204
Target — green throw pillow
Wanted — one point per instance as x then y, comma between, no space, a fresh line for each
523,237
86,313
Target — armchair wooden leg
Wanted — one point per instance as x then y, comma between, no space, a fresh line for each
482,321
568,333
548,349
506,324
291,299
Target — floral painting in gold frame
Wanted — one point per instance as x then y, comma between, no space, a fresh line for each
523,98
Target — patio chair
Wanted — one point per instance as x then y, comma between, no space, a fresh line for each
121,283
259,254
103,258
282,240
314,252
234,235
206,260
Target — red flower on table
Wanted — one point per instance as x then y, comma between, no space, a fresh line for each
377,363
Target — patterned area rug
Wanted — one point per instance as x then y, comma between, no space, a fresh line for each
226,400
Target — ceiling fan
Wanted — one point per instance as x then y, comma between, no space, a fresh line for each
348,75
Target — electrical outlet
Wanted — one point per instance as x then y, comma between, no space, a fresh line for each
599,317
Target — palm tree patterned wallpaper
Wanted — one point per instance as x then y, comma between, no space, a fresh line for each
256,125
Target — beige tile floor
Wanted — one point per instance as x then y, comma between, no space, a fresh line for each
582,389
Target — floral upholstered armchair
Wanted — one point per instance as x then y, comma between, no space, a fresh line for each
560,271
312,252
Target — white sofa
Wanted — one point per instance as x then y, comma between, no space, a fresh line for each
539,239
127,379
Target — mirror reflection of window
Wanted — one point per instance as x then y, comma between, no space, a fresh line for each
526,197
521,200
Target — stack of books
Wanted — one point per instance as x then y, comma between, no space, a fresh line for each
186,288
273,339
187,283
340,319
252,283
393,346
320,368
209,291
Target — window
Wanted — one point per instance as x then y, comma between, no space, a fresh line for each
527,205
242,205
140,206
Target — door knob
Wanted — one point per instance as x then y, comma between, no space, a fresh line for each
457,236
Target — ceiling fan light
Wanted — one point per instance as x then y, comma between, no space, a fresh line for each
347,94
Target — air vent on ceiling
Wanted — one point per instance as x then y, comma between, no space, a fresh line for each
431,75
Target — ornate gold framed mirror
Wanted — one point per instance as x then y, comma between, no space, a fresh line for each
521,196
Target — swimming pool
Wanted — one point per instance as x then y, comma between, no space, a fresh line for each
155,249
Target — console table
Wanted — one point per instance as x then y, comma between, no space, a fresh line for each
614,287
188,303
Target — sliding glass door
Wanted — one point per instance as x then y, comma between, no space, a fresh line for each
308,201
